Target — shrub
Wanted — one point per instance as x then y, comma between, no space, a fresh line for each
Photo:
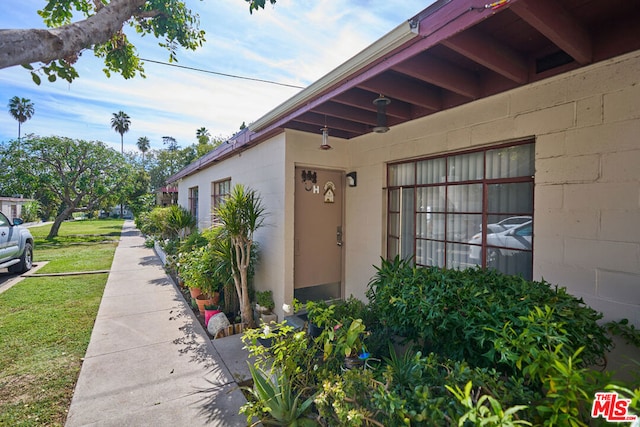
173,222
179,222
31,211
462,313
153,223
500,351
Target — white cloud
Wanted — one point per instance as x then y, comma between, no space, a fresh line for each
295,42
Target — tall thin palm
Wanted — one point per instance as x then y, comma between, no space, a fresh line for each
120,123
203,135
21,109
143,146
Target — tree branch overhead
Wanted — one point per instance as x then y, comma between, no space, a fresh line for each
26,46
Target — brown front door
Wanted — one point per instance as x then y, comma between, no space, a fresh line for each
318,234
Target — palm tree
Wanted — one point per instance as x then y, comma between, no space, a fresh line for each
203,135
143,145
120,123
21,109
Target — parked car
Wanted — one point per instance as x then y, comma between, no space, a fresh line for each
16,245
506,224
507,242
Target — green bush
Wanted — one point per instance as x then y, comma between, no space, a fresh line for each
31,211
462,313
172,222
500,351
179,222
154,223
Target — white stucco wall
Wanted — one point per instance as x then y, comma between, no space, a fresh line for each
270,170
587,183
259,168
7,204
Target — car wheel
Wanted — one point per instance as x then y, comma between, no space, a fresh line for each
26,260
492,258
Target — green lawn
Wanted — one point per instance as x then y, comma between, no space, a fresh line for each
46,323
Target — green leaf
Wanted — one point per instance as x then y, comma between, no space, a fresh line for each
35,78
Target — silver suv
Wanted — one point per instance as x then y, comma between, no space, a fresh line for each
16,245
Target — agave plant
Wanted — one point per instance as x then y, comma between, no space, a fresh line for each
281,407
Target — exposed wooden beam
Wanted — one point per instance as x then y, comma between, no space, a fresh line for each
441,73
395,86
552,20
489,53
334,109
319,120
305,127
461,14
363,99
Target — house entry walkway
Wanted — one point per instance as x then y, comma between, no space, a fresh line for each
149,361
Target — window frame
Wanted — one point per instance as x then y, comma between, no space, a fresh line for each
217,197
394,244
194,201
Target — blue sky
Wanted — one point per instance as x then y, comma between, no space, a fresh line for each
294,42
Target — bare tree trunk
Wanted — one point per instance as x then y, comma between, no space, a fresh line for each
55,228
245,307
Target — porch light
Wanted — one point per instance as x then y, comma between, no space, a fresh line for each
381,103
325,138
352,179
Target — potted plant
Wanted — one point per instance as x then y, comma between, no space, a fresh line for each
264,302
241,214
319,315
220,257
346,341
265,306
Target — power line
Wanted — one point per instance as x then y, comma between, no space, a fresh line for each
222,74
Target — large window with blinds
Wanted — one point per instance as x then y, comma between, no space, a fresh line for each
465,209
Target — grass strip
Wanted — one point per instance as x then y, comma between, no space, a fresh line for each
46,323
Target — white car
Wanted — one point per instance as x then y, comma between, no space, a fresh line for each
504,243
507,223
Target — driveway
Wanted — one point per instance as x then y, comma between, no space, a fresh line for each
7,279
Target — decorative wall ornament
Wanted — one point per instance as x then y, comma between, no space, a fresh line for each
329,192
309,178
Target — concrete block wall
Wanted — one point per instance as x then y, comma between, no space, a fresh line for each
587,195
586,126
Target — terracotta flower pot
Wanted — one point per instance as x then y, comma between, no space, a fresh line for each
202,300
195,292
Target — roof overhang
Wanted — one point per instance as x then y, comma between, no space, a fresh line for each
452,53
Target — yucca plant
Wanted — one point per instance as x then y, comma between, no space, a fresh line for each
180,222
241,214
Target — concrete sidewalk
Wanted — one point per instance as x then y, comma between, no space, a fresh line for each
149,361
